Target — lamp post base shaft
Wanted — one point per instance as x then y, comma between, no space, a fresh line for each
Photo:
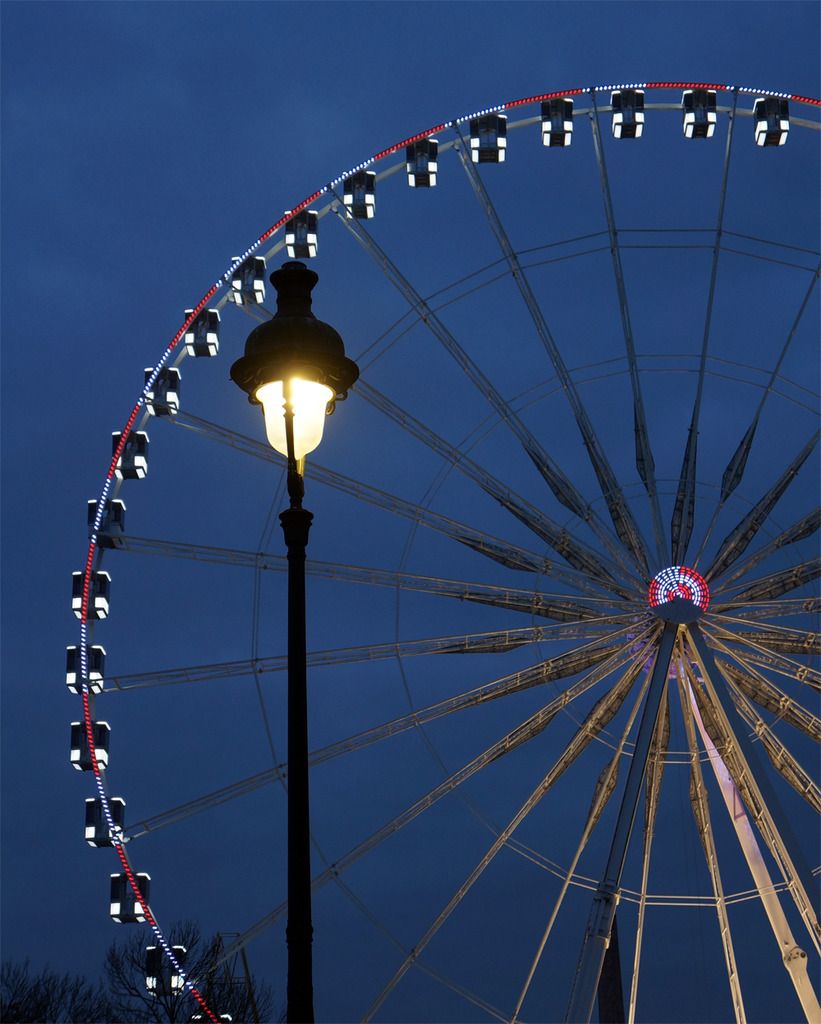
296,524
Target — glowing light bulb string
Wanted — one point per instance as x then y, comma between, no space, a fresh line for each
92,553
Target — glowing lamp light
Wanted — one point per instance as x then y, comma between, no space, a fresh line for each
309,401
294,363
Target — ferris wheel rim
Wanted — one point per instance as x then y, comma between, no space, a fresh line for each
94,554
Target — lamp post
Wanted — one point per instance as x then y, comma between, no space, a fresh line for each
295,368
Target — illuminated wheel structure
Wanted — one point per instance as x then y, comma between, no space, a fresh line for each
579,469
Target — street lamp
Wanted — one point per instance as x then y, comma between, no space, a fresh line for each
295,368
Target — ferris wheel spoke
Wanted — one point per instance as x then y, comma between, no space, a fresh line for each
500,551
701,812
532,727
438,976
655,774
717,711
574,552
805,527
605,786
739,538
681,528
764,655
606,662
767,695
495,642
781,758
783,639
596,720
562,487
545,605
774,585
622,518
783,608
734,471
645,463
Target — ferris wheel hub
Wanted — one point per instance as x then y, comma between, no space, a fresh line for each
678,594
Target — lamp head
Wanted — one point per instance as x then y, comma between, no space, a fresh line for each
297,358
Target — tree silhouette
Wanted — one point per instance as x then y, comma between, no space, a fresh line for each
121,996
226,989
47,996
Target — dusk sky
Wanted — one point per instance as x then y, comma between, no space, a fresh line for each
144,146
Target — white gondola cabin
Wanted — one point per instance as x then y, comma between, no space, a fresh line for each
124,907
359,194
97,829
95,668
421,163
161,976
99,591
111,525
771,117
162,398
557,122
698,113
80,753
301,237
202,339
628,113
248,282
133,461
488,139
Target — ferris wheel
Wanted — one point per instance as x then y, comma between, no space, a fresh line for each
562,624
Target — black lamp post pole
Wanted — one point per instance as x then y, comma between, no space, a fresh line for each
293,344
296,523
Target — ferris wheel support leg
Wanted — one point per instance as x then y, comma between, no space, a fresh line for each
768,815
793,958
603,910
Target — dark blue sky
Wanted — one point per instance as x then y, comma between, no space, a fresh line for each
144,145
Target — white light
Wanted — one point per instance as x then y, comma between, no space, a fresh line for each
310,402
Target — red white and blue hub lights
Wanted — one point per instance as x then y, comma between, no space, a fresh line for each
669,588
678,583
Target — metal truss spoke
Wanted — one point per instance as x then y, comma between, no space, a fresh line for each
734,472
494,548
545,605
622,518
774,585
735,468
763,655
645,463
206,802
805,527
701,811
655,774
717,711
776,638
787,607
575,553
493,642
681,528
561,485
780,757
767,695
515,738
605,786
601,714
739,538
564,665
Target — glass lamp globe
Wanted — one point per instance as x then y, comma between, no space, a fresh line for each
309,401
